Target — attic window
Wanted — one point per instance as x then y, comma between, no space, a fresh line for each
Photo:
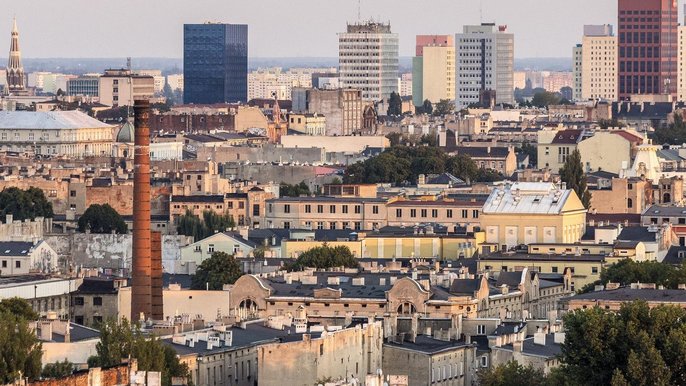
23,251
656,211
7,251
537,200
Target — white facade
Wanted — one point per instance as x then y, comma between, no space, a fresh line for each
265,83
60,133
596,60
484,61
175,81
160,151
121,87
406,84
368,60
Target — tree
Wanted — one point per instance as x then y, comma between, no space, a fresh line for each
325,257
395,138
395,105
211,223
635,346
58,369
297,190
122,340
531,151
25,204
18,307
511,374
20,350
572,173
628,271
427,107
221,268
462,166
102,219
546,98
429,140
444,107
673,133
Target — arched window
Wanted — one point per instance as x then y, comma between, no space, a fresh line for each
407,309
629,203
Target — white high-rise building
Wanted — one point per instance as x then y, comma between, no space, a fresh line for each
595,64
484,64
175,81
368,59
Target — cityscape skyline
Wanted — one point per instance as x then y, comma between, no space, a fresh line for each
554,25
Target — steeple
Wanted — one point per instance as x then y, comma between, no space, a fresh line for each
15,71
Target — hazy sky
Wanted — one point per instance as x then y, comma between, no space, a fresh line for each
284,28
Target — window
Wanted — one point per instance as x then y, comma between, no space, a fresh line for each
286,225
72,193
97,301
332,225
464,213
413,213
17,264
423,212
320,208
594,270
287,208
554,269
308,208
375,209
358,209
320,225
344,208
475,213
629,203
449,213
434,213
210,248
481,329
398,213
484,361
332,208
358,225
256,209
78,301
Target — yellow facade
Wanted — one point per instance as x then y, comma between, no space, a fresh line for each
584,271
439,73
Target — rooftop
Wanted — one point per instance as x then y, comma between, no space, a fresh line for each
527,198
429,345
43,120
627,294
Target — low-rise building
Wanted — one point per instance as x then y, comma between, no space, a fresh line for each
612,298
450,213
307,123
24,257
500,159
96,300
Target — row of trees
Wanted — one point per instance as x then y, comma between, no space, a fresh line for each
25,204
403,164
125,340
628,271
191,225
636,346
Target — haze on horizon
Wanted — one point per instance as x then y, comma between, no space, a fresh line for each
297,28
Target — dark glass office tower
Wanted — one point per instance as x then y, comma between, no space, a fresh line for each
215,63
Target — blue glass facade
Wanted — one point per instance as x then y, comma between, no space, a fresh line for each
215,63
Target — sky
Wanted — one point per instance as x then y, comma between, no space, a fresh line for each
285,28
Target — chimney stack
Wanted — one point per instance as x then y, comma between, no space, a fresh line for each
141,289
156,271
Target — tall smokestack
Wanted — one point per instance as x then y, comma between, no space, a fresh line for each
141,289
156,281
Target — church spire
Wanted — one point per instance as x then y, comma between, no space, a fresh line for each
15,71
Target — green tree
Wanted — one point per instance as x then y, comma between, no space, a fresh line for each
221,268
24,204
635,346
546,98
102,219
512,374
572,173
211,223
427,107
58,369
395,138
628,271
395,105
18,307
673,133
325,257
119,341
462,166
444,107
297,190
20,350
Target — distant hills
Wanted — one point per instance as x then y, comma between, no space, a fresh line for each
175,65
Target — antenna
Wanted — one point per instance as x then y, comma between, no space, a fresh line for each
481,11
359,10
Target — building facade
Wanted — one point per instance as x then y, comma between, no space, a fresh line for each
484,63
368,59
343,108
84,85
215,63
596,72
433,69
16,82
122,87
648,43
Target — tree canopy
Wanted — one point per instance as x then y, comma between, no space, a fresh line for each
572,173
122,340
403,164
444,107
325,257
211,223
547,98
673,133
58,369
512,374
395,105
20,350
296,190
221,268
25,204
628,271
102,219
635,346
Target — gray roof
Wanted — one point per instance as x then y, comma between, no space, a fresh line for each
550,350
627,294
45,120
510,279
527,197
675,255
126,134
77,333
637,234
429,345
668,211
15,248
465,286
444,179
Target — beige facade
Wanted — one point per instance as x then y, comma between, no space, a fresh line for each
310,124
351,352
681,65
450,365
627,195
599,68
122,88
342,108
438,73
449,213
326,213
55,133
526,213
595,155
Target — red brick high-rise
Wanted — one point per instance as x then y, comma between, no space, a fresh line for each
648,41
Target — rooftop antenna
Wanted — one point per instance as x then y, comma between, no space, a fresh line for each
128,63
359,10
